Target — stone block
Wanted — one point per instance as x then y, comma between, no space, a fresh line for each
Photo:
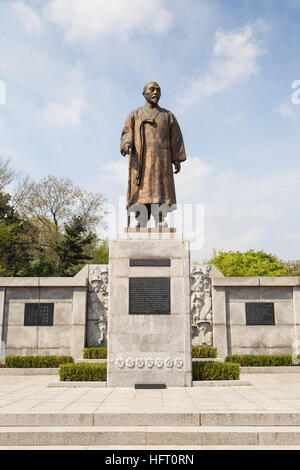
168,325
235,281
276,293
262,337
147,271
56,293
22,337
149,336
63,313
284,313
296,298
79,306
220,339
22,293
63,281
78,341
279,281
19,281
153,248
119,295
219,305
242,293
54,337
144,342
125,379
178,290
14,313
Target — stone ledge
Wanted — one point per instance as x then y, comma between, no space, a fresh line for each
256,281
235,281
43,282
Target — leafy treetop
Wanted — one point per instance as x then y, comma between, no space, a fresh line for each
249,263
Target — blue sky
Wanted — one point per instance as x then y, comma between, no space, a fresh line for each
74,69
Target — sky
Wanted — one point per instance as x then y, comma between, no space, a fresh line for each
72,70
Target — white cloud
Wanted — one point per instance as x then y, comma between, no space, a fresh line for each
237,118
30,20
64,115
288,111
91,19
241,211
292,236
265,211
235,58
68,111
193,172
116,171
246,240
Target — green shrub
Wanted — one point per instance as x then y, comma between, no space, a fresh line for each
83,372
36,361
261,360
95,353
204,352
215,371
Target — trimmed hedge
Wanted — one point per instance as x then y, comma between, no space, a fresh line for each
97,372
261,361
197,352
95,353
204,352
215,371
36,361
82,372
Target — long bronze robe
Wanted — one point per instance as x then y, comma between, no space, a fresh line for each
157,142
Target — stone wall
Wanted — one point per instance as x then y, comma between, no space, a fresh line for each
66,336
231,333
217,312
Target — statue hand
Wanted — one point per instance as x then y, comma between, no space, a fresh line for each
126,149
177,167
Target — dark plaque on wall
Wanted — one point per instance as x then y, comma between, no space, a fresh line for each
150,262
38,314
149,296
260,313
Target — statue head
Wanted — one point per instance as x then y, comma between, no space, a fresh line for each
152,93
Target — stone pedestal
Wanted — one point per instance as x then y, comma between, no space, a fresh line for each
149,333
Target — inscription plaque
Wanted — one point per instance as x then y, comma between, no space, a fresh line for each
149,296
38,314
150,262
260,313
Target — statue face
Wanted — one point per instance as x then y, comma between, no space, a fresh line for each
152,93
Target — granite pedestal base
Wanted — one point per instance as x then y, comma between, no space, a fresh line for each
149,335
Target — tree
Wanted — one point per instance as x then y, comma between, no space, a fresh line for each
101,253
55,201
18,239
248,264
72,249
294,267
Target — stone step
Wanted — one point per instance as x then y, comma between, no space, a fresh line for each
192,419
148,435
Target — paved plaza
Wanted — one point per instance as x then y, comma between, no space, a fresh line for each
271,405
269,392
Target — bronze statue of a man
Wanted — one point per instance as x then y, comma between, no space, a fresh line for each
153,140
